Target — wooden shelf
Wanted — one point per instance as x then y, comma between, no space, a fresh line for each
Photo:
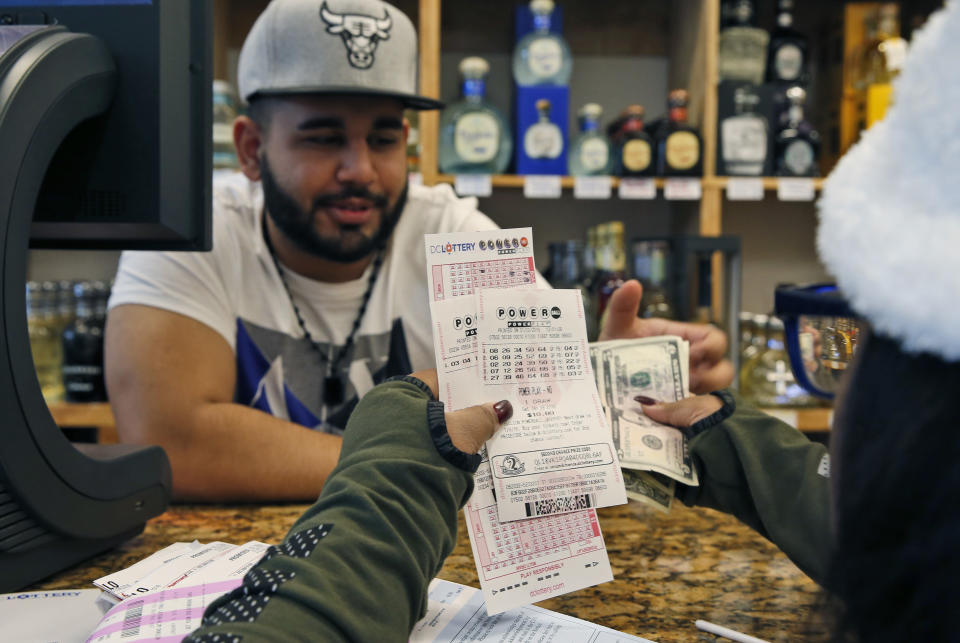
98,414
714,182
769,182
807,420
516,181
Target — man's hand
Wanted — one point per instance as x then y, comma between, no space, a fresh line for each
709,370
470,428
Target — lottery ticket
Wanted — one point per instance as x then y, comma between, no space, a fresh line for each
164,615
123,583
518,562
464,263
556,454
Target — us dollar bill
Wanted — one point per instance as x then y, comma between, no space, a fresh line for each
652,446
647,489
654,367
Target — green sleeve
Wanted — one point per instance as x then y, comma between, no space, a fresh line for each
770,476
356,565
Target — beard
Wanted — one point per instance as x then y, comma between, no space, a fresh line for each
348,245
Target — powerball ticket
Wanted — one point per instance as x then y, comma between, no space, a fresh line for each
519,562
556,454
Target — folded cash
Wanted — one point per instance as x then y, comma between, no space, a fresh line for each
651,446
649,490
653,367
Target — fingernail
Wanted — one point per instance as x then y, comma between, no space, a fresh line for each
646,401
504,410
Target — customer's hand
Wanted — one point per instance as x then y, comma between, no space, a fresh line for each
709,371
470,428
682,414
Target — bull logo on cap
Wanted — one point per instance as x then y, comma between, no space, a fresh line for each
360,33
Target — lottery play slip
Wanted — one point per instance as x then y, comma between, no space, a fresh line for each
532,518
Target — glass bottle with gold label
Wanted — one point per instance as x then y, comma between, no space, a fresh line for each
634,153
615,260
543,139
590,151
42,327
679,146
474,138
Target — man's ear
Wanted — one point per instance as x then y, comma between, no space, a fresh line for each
248,138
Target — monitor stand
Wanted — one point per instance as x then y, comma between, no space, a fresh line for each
59,504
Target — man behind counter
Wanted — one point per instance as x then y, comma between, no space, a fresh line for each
244,363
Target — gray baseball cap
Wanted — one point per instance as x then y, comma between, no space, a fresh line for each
338,47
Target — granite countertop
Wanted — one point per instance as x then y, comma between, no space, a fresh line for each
669,570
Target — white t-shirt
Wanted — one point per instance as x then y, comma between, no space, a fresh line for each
235,289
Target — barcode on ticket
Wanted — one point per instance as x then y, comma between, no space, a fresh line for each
560,505
131,621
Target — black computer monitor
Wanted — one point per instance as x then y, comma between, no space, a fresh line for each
105,142
137,176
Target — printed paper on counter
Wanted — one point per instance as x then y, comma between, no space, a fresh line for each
556,454
123,584
456,613
165,615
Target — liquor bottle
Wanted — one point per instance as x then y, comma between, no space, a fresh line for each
83,349
615,272
543,139
650,268
474,138
788,51
743,46
101,298
758,343
634,155
542,57
66,306
703,313
413,140
747,327
744,136
590,151
224,113
567,271
881,62
591,273
798,144
768,376
44,340
679,146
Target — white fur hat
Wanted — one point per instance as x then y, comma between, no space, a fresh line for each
890,211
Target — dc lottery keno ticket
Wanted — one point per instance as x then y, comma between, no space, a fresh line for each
464,263
518,562
556,454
